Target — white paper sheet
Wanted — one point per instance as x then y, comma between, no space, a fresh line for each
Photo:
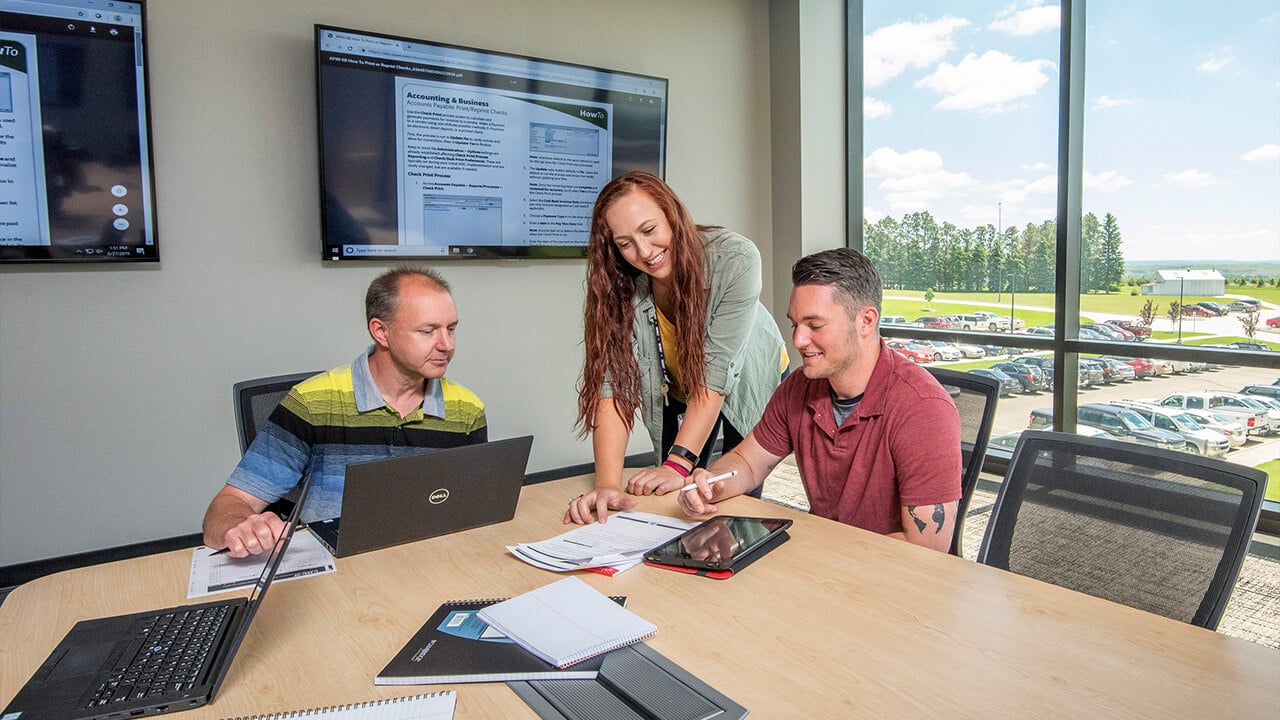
213,573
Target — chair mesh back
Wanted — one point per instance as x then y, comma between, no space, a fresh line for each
1158,530
255,400
975,399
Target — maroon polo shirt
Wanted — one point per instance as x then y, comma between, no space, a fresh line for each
900,447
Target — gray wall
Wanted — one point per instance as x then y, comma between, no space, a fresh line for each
115,383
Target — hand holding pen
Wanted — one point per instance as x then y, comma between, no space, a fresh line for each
698,502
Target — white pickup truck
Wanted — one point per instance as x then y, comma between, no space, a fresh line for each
988,321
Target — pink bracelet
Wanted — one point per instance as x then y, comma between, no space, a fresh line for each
677,467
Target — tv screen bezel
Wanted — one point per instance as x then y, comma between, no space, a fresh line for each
146,149
472,252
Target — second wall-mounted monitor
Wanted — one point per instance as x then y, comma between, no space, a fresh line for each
432,151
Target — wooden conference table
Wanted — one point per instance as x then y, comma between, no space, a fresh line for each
836,623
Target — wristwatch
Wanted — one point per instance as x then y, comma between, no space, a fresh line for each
683,452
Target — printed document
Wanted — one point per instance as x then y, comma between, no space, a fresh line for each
619,543
213,572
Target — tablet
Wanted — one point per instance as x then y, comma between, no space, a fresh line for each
718,543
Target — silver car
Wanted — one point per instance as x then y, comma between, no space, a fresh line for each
1232,428
1200,440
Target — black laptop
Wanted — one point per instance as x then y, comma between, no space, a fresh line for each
146,663
403,499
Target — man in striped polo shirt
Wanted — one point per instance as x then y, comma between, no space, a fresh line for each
390,401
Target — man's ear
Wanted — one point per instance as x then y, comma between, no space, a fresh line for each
378,331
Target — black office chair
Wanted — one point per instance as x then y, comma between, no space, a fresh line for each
1159,530
256,399
254,402
975,398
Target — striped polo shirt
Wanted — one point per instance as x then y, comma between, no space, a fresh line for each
339,417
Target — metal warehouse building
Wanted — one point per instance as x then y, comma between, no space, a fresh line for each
1186,282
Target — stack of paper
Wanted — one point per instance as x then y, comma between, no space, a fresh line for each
619,543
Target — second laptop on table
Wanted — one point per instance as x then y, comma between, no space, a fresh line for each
399,500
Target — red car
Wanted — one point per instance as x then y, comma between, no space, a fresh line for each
1196,311
910,351
934,321
1142,367
1274,322
1140,331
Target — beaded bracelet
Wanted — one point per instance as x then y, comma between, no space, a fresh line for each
677,467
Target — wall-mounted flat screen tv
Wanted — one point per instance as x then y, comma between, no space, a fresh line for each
75,150
433,151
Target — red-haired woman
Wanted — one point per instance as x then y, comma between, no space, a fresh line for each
674,328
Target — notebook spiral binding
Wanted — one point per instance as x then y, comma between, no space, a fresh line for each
332,709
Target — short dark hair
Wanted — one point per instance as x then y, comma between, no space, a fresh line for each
383,296
848,271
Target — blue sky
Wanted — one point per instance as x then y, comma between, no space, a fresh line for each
1182,126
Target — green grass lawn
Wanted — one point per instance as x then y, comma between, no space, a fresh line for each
1272,469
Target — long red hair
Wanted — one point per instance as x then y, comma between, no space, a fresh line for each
611,287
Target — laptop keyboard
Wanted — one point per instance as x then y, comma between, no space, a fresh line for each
166,655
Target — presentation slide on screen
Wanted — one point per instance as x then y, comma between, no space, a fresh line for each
487,168
23,220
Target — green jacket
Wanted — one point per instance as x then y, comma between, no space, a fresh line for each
743,346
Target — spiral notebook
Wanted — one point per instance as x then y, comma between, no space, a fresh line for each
566,622
431,706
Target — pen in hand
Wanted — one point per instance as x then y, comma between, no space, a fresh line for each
716,479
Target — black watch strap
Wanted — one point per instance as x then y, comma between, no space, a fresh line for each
683,452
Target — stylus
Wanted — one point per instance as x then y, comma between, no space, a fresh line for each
715,479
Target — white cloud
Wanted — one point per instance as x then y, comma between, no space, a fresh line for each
1105,181
1262,152
890,50
1042,165
1191,179
1106,101
1046,185
1217,61
915,179
872,215
873,108
1029,21
990,83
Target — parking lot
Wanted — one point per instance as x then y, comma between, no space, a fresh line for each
1013,411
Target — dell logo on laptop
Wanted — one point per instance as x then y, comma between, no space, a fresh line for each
438,496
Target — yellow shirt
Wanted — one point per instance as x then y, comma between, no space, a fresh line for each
667,331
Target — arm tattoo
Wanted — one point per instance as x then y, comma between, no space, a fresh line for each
939,516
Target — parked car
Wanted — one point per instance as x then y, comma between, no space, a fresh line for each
936,322
982,321
1140,331
940,350
1046,331
1233,429
1253,417
1142,367
1181,366
1090,373
1030,377
1213,307
1265,390
1120,422
1008,385
1250,345
1120,372
910,351
1044,362
1196,311
1018,324
1109,332
893,320
1273,322
1200,440
971,351
1126,424
1239,306
1009,440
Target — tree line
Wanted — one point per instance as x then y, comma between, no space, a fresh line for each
917,253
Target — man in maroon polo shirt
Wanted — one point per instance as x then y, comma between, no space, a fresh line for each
876,438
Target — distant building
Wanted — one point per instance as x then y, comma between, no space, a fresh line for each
1186,282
